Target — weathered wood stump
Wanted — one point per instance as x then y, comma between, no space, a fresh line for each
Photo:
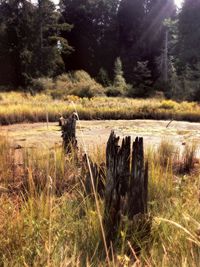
68,127
126,189
98,176
61,121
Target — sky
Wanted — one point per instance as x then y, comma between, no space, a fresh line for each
177,2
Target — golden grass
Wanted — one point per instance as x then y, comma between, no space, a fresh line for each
46,220
18,107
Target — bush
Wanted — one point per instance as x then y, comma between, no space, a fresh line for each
41,84
168,104
77,83
158,95
113,91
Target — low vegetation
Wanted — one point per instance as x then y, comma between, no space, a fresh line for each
18,107
47,220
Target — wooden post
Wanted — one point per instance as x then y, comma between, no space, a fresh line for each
126,183
69,133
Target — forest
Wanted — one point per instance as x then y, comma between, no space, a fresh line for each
99,133
136,48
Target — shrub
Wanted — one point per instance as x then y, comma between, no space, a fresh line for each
41,84
168,104
113,91
158,95
77,83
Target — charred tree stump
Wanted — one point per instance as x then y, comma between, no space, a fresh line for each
126,189
69,133
138,188
61,121
117,178
98,175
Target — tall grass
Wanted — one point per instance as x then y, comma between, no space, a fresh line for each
46,219
21,107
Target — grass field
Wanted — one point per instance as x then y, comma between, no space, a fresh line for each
46,220
20,107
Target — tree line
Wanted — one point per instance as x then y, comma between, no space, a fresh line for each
152,45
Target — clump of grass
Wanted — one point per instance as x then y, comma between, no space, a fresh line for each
188,158
166,153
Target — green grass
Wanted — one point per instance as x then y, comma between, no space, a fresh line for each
19,107
46,219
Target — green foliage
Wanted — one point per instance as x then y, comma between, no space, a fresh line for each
141,35
142,86
39,40
114,91
103,78
94,35
188,34
77,83
41,84
119,86
119,80
187,85
30,35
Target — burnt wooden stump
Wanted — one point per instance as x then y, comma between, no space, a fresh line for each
126,189
61,121
98,176
68,127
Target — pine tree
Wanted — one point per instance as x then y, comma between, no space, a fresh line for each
130,17
142,85
189,34
29,41
119,81
49,43
142,32
94,35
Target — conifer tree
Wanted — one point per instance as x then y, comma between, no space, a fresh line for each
189,34
94,35
29,41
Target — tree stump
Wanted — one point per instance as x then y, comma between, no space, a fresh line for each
126,189
69,133
61,121
98,175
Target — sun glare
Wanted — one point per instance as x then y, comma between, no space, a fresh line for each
178,3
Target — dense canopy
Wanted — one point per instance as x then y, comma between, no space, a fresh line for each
157,43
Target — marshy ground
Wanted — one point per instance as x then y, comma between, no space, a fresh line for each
46,219
96,132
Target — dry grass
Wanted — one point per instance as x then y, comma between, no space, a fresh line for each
21,107
46,220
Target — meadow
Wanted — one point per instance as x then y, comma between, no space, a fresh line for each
17,107
46,219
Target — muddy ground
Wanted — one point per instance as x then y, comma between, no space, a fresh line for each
94,133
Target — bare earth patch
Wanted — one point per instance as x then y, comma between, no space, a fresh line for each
94,133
